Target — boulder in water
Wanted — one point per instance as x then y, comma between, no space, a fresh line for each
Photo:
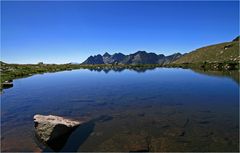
49,127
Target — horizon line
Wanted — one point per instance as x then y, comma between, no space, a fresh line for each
103,52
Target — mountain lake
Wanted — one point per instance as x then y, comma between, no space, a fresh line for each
162,109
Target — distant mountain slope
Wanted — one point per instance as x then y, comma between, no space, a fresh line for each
140,57
218,53
97,59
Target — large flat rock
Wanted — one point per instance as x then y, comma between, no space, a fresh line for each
50,127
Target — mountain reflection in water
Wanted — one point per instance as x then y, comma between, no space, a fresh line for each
157,109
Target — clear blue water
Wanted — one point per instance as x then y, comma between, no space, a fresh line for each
157,110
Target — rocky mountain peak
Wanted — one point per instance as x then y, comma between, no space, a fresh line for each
106,54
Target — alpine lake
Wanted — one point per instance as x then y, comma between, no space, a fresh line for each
155,110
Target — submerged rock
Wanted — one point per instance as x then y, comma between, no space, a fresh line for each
49,128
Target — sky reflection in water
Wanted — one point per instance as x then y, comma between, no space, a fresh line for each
155,110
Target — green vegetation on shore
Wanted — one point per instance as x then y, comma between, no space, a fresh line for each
218,56
14,71
208,66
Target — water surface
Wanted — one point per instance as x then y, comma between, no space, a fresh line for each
154,110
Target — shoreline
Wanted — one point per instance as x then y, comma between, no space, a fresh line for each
11,72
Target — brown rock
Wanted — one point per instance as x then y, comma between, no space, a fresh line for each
52,127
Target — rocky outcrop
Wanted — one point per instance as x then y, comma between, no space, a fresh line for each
141,57
97,59
49,128
7,84
171,58
236,39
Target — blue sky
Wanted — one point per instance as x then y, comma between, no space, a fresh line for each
61,32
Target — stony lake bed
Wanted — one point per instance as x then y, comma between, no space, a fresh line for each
162,109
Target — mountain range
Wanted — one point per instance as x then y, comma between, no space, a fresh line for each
140,57
227,52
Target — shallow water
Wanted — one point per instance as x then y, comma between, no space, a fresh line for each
155,110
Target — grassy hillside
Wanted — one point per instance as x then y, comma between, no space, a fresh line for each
219,53
217,57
